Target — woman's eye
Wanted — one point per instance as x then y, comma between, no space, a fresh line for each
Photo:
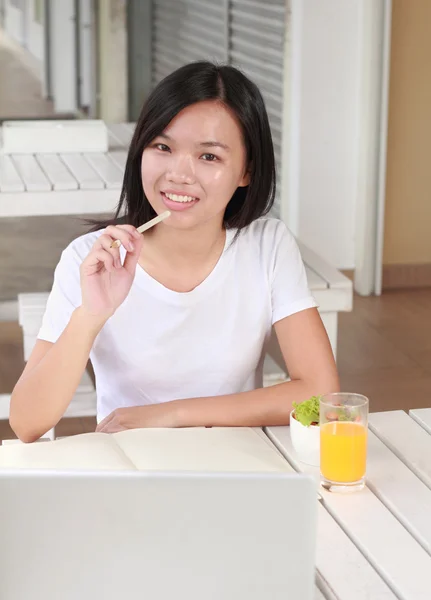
162,147
209,157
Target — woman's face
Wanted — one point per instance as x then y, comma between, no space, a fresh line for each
194,167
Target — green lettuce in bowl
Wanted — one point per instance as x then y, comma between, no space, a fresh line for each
307,412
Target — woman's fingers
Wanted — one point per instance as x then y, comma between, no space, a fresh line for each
131,229
111,423
101,426
132,258
105,242
104,253
126,234
97,257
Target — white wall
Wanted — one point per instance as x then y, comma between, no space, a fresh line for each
323,149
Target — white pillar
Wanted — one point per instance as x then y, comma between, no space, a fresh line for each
112,27
62,55
374,90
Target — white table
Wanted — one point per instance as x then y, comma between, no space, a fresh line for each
64,184
376,543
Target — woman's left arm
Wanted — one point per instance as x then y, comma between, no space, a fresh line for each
310,362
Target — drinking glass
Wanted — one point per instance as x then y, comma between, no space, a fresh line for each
343,441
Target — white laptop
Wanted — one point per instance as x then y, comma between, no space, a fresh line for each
112,535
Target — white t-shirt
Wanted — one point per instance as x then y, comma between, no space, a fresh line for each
162,345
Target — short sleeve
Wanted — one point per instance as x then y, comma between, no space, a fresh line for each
289,291
64,298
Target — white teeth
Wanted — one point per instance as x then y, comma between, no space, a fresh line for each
177,198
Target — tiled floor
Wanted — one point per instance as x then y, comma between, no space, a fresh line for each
21,268
385,349
384,352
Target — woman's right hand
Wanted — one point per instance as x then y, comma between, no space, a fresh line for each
105,282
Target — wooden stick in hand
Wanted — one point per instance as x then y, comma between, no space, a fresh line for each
146,226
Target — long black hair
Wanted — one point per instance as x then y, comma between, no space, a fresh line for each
188,85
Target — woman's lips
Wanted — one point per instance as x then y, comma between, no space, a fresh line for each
177,205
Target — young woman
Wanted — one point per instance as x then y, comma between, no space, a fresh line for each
176,321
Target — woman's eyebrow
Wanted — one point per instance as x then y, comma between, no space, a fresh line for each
214,144
208,144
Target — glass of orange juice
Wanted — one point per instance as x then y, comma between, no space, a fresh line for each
343,441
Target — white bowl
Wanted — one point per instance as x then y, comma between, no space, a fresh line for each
305,441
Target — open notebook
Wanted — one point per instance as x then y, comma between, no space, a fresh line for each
234,449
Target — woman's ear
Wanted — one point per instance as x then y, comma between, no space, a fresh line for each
245,180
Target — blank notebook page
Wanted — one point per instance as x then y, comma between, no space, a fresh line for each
201,449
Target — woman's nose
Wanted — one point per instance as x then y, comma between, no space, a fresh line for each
182,170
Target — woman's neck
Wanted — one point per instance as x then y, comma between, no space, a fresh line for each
181,259
187,246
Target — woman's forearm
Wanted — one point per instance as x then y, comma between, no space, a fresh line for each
257,408
42,395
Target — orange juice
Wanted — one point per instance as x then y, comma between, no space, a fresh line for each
343,451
